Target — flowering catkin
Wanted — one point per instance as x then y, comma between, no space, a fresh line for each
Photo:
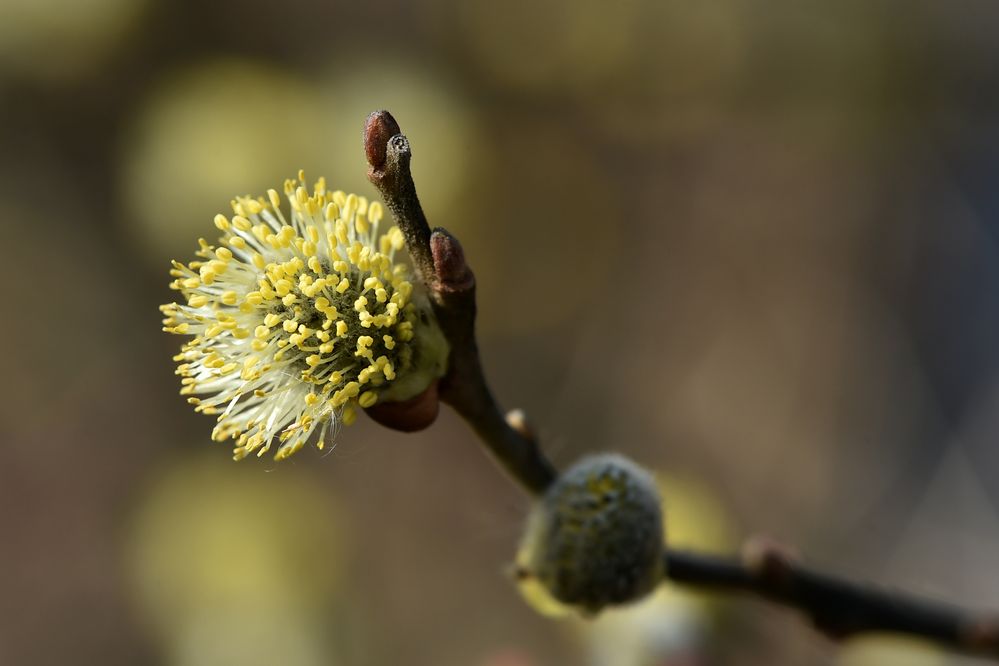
299,320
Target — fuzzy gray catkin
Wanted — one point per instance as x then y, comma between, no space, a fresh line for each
595,538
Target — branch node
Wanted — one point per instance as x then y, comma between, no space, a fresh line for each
768,560
517,419
983,634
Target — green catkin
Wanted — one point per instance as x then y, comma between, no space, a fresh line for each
596,536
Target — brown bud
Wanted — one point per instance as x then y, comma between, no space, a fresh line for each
452,273
378,129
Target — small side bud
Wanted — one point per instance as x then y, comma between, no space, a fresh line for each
453,273
517,419
594,539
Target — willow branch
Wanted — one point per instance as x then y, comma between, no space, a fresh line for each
440,264
839,608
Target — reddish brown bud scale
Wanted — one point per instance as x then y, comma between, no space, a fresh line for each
410,415
378,129
453,273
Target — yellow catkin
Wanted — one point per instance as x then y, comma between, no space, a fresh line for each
291,314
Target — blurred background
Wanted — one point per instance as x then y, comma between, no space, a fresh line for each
754,246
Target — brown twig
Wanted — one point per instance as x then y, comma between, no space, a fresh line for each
440,264
837,607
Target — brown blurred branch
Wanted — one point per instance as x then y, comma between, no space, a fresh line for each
440,264
837,607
